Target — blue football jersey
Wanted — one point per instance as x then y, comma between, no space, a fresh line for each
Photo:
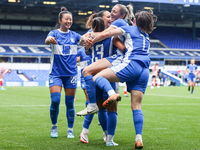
64,53
137,44
191,68
85,60
118,23
100,50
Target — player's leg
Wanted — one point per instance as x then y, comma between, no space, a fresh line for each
153,82
108,120
88,119
1,82
193,85
70,90
102,114
102,80
137,88
189,84
119,73
125,90
88,73
156,83
86,124
103,118
136,102
111,124
96,67
55,86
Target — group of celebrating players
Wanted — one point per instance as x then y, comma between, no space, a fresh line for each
118,47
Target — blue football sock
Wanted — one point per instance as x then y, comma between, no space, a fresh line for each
192,91
87,121
103,117
86,103
54,108
103,83
112,122
138,120
90,88
70,112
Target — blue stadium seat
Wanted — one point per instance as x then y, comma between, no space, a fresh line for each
177,37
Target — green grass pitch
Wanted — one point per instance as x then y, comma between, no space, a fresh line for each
171,121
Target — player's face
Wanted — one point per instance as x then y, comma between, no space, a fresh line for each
106,17
66,21
115,13
192,61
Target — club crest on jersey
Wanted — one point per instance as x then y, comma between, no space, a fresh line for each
72,40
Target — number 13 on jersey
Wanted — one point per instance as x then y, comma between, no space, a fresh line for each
97,52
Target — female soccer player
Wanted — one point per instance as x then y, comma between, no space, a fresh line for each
88,119
191,71
3,71
63,70
119,11
154,76
120,14
134,69
98,51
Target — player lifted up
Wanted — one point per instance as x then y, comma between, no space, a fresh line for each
191,71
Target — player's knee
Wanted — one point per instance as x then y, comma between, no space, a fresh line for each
55,98
70,105
71,114
85,71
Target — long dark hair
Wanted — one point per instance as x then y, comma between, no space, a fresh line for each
98,24
145,21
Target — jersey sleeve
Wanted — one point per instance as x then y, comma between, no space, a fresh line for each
51,33
118,23
196,67
78,37
124,29
82,54
187,66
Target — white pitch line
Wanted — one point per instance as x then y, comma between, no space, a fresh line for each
80,105
191,97
160,128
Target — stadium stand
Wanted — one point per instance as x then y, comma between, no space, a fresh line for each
36,75
38,37
176,37
22,37
13,76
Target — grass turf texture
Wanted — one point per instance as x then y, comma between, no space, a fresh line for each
171,121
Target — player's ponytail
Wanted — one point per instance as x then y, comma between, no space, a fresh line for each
127,11
130,16
63,10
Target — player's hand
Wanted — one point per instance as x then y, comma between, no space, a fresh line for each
88,44
52,40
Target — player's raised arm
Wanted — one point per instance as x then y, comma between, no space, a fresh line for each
108,34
